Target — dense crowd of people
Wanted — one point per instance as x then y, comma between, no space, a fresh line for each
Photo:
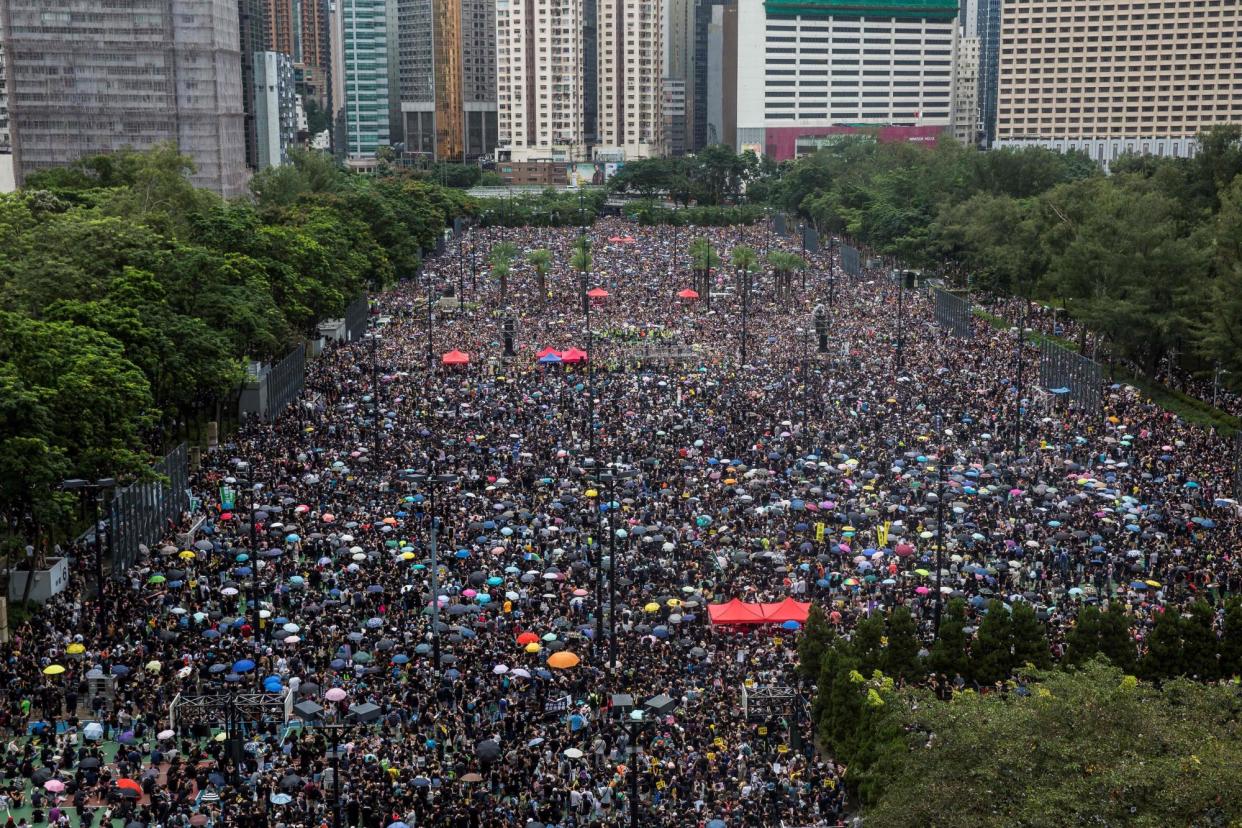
623,491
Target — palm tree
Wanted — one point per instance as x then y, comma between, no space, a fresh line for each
744,259
501,259
783,265
581,262
541,260
703,259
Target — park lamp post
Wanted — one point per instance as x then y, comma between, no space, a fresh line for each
432,481
633,720
609,477
743,280
98,487
358,714
252,586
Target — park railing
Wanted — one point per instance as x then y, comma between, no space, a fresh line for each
356,314
953,312
1069,375
270,388
851,262
144,512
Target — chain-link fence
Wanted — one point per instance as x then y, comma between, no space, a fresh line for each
851,263
141,513
1070,375
953,312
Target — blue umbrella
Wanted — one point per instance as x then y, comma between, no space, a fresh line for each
292,537
791,625
211,633
244,665
120,670
716,823
243,570
400,658
278,798
217,668
337,664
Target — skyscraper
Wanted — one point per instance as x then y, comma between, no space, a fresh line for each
364,70
539,72
87,77
282,26
697,90
988,29
448,77
1115,79
966,91
275,107
252,34
630,43
809,70
315,60
678,68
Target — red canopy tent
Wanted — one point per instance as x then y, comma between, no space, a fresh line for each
546,351
621,239
573,355
787,610
734,612
598,293
738,612
688,294
455,357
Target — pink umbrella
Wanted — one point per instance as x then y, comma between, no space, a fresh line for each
468,593
54,785
335,694
922,590
904,550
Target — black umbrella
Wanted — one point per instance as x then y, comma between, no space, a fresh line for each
488,750
291,782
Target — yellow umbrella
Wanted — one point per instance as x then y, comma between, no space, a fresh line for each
53,670
75,649
153,666
534,647
652,607
1153,584
186,555
407,556
591,493
563,660
673,602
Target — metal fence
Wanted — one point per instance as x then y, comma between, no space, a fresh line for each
780,224
954,312
141,513
1070,375
284,381
1237,466
810,239
851,263
356,317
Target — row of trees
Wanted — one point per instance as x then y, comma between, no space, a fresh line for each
1007,640
873,711
130,301
1086,747
715,175
1148,257
549,208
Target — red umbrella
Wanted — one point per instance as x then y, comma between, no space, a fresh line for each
573,355
597,293
455,357
688,294
129,784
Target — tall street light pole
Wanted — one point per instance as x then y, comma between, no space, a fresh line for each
432,481
97,488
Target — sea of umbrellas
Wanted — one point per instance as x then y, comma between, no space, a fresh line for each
588,510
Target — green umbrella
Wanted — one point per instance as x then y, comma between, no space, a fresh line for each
156,579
